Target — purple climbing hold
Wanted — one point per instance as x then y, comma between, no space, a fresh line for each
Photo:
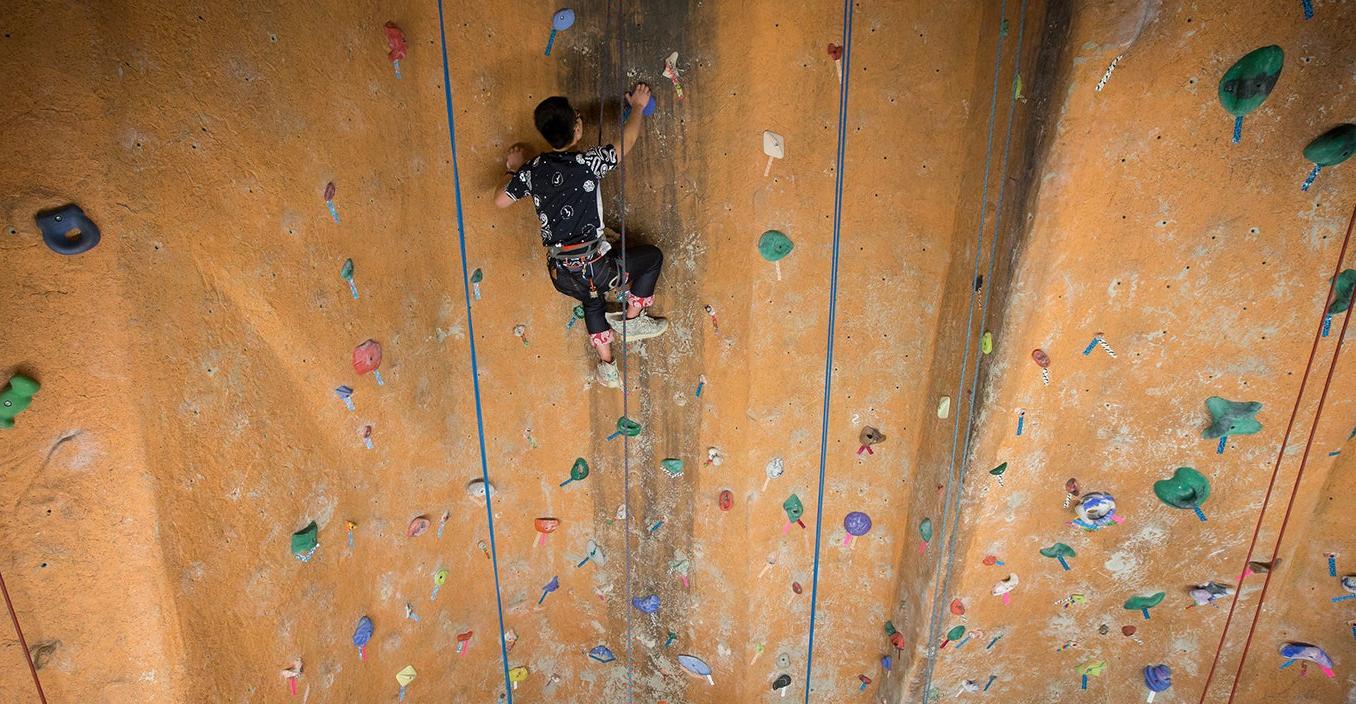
646,604
1158,678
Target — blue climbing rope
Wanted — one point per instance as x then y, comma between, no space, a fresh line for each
471,335
833,311
947,554
626,386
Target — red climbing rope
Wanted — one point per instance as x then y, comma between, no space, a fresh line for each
23,644
1304,459
1275,470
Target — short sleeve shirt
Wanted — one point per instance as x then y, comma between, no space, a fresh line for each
565,189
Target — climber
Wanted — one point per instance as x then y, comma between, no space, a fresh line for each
566,191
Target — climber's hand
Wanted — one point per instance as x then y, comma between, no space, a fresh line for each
639,97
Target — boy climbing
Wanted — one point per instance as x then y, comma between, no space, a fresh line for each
566,190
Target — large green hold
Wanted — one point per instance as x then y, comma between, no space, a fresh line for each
1187,488
1249,81
1346,285
1231,417
774,245
925,529
1332,147
15,398
304,542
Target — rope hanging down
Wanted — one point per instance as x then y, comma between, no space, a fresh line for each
625,354
471,336
1275,470
946,555
833,310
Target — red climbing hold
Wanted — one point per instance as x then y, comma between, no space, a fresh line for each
957,607
726,500
395,39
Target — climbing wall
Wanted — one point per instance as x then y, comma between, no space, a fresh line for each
222,493
1203,269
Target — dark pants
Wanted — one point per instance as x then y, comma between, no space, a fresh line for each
590,286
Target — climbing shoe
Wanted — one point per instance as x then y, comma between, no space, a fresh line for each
607,375
642,327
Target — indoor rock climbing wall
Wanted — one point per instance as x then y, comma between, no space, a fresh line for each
1204,270
222,492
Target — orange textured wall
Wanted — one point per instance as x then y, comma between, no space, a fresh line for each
1207,268
188,424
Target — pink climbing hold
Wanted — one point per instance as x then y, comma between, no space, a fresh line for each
395,40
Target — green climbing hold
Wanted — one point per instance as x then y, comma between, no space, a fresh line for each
890,628
955,633
1141,603
1249,81
1346,285
672,466
925,529
794,508
998,471
1059,550
1332,147
477,276
628,427
346,271
15,398
580,470
1231,417
1186,489
304,542
774,245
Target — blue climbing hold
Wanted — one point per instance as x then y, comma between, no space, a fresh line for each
646,604
1158,678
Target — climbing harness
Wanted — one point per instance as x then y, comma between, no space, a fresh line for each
589,261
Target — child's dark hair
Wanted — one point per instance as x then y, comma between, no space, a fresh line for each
555,120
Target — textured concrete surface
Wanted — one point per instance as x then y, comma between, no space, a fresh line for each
188,424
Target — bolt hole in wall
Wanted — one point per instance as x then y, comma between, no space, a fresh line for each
295,517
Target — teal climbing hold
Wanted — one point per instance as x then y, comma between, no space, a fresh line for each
1187,488
1332,147
1247,83
774,246
304,542
672,466
1329,149
1346,285
1231,417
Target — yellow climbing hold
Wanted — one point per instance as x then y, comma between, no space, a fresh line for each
1091,669
986,342
944,407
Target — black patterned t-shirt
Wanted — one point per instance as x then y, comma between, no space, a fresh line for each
565,188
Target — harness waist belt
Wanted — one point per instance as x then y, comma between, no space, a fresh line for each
578,255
